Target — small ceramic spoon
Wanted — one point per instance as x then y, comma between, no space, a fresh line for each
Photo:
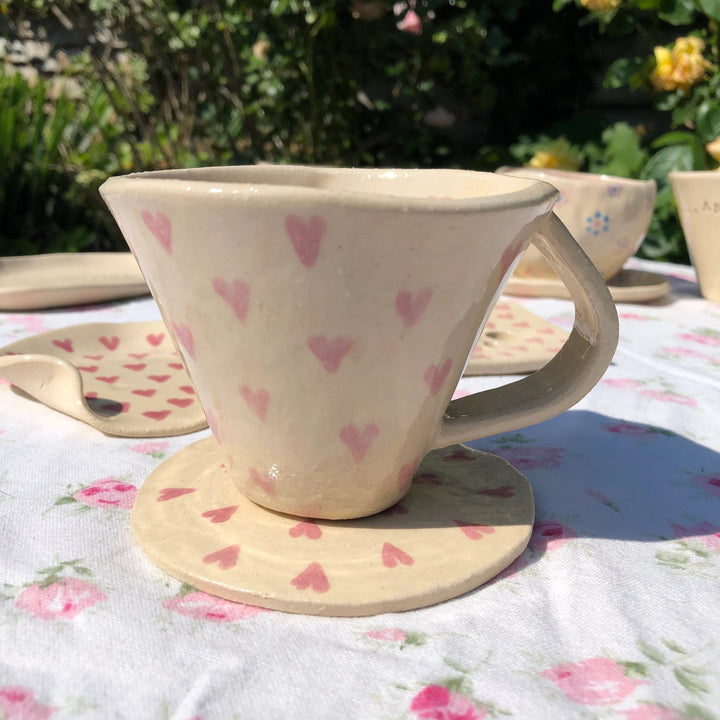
124,379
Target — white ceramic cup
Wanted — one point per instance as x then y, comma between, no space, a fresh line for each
326,315
697,195
608,216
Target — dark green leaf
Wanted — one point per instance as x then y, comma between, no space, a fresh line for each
676,12
710,7
674,157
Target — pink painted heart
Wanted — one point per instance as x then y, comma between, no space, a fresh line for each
308,528
404,476
257,400
306,237
358,442
427,478
171,493
137,356
159,378
109,379
225,558
267,483
64,344
459,455
94,357
396,509
189,389
144,393
155,338
501,491
220,515
88,368
235,293
185,338
313,577
181,402
473,530
330,352
159,226
392,555
175,366
156,414
136,367
435,376
110,343
411,307
521,324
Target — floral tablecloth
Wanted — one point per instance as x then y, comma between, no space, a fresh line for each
613,611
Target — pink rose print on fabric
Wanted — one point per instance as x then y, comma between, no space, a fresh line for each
155,449
622,384
436,702
64,598
108,492
630,430
705,533
549,536
687,352
18,703
595,681
669,397
651,712
391,634
702,339
709,483
201,606
531,458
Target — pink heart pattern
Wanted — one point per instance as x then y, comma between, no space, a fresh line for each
171,493
64,344
159,225
330,352
267,483
257,400
185,338
411,307
220,515
308,528
473,530
393,555
235,293
225,558
435,376
359,442
313,577
110,343
306,237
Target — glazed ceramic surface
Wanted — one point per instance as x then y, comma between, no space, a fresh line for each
607,215
465,506
514,340
698,201
62,279
124,379
376,283
627,286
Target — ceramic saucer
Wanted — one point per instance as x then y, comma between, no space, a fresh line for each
467,516
122,378
514,340
633,286
60,279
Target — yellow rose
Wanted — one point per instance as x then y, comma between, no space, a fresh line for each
559,156
681,66
713,149
600,5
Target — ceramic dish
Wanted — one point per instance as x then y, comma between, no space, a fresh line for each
514,340
466,506
62,279
123,379
628,286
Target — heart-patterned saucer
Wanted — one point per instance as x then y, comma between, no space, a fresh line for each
467,516
513,341
32,282
122,378
628,286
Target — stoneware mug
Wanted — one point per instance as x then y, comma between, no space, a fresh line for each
326,315
607,215
697,195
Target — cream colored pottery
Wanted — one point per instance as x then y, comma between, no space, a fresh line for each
326,315
122,378
697,194
628,286
607,215
514,340
61,279
465,518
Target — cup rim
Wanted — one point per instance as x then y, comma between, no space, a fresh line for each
693,173
530,192
574,175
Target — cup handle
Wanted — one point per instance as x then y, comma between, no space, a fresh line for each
569,375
